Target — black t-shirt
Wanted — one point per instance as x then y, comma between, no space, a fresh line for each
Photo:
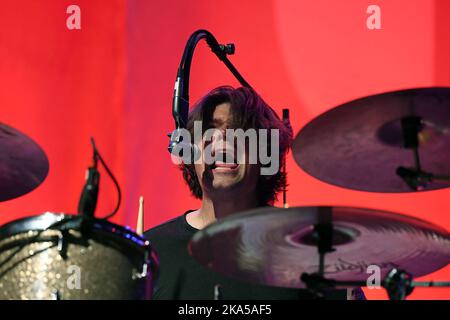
182,277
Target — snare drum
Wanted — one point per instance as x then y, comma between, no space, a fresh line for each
59,256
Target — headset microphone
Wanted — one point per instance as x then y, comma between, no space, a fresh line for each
180,101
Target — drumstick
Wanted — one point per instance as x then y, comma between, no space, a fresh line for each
140,219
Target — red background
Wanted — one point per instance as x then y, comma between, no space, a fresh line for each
113,80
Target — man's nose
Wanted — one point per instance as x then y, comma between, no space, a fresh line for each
219,143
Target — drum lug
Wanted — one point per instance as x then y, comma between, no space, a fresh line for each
143,273
62,244
55,295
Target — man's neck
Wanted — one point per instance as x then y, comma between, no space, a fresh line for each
213,208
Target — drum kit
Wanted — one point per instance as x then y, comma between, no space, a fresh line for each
56,256
394,142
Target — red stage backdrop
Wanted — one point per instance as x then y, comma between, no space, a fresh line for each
113,80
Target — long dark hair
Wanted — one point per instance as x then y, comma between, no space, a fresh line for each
249,111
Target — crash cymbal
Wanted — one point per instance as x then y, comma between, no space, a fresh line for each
361,144
274,246
23,164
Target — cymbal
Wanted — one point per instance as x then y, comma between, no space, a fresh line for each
274,246
359,145
23,164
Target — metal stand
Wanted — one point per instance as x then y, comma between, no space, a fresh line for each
398,283
415,178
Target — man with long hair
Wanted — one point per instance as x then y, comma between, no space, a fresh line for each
225,188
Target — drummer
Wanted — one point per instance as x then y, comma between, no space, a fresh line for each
224,189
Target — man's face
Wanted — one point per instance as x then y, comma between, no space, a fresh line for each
221,176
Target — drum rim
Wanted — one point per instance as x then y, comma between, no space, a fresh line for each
42,221
136,249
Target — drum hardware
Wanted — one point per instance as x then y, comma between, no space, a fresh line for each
55,295
86,228
37,252
62,244
145,268
323,234
55,226
140,232
320,248
218,292
143,273
416,178
398,284
389,142
120,251
88,198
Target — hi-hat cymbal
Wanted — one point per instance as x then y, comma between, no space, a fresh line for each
360,145
23,164
274,246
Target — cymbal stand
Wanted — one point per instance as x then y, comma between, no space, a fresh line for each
397,283
415,178
323,234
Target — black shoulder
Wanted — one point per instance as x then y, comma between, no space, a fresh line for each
167,228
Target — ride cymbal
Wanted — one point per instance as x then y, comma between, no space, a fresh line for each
274,246
23,164
368,144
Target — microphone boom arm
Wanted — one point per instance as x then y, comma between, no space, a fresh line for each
180,103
